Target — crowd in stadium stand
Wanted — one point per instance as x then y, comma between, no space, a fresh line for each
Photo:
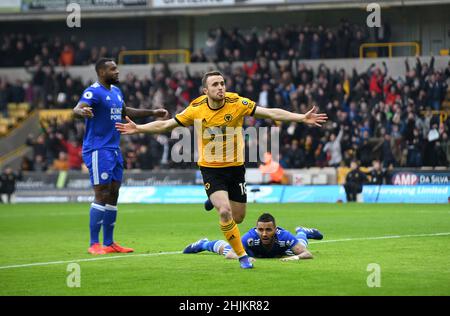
299,41
371,115
290,41
19,50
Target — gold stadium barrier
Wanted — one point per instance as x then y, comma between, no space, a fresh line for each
61,116
388,45
153,55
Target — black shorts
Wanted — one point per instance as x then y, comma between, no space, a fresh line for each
230,179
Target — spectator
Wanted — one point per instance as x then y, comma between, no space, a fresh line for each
144,158
40,165
8,184
355,44
67,56
272,168
62,163
82,54
329,47
333,149
302,47
354,182
210,49
73,149
315,47
376,174
295,157
387,155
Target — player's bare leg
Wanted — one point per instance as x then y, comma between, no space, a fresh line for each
113,193
238,210
101,192
221,202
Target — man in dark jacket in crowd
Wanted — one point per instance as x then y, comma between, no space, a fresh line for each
354,182
376,174
8,184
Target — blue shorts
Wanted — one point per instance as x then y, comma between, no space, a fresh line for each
105,165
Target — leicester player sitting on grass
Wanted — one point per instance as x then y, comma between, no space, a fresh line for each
266,240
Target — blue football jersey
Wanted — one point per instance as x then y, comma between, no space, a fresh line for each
284,241
107,105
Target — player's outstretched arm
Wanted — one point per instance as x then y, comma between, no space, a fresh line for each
136,113
300,253
83,110
310,117
156,127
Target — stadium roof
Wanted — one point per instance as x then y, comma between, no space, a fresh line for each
234,6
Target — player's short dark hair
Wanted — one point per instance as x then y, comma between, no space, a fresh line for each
266,218
101,63
210,74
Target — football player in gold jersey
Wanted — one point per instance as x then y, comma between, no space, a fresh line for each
218,117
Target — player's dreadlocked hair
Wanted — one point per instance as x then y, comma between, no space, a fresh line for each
266,218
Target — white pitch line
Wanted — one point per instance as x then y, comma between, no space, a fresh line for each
179,252
381,237
90,259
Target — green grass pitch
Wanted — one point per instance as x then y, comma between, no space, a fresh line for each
414,259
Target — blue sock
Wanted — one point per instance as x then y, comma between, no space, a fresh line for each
301,237
209,245
95,221
108,224
213,245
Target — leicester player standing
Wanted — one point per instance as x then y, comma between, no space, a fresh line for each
102,106
220,156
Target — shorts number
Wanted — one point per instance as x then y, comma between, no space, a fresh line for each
243,188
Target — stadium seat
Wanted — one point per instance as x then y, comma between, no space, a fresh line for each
18,114
24,106
8,121
12,106
320,179
301,179
3,129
